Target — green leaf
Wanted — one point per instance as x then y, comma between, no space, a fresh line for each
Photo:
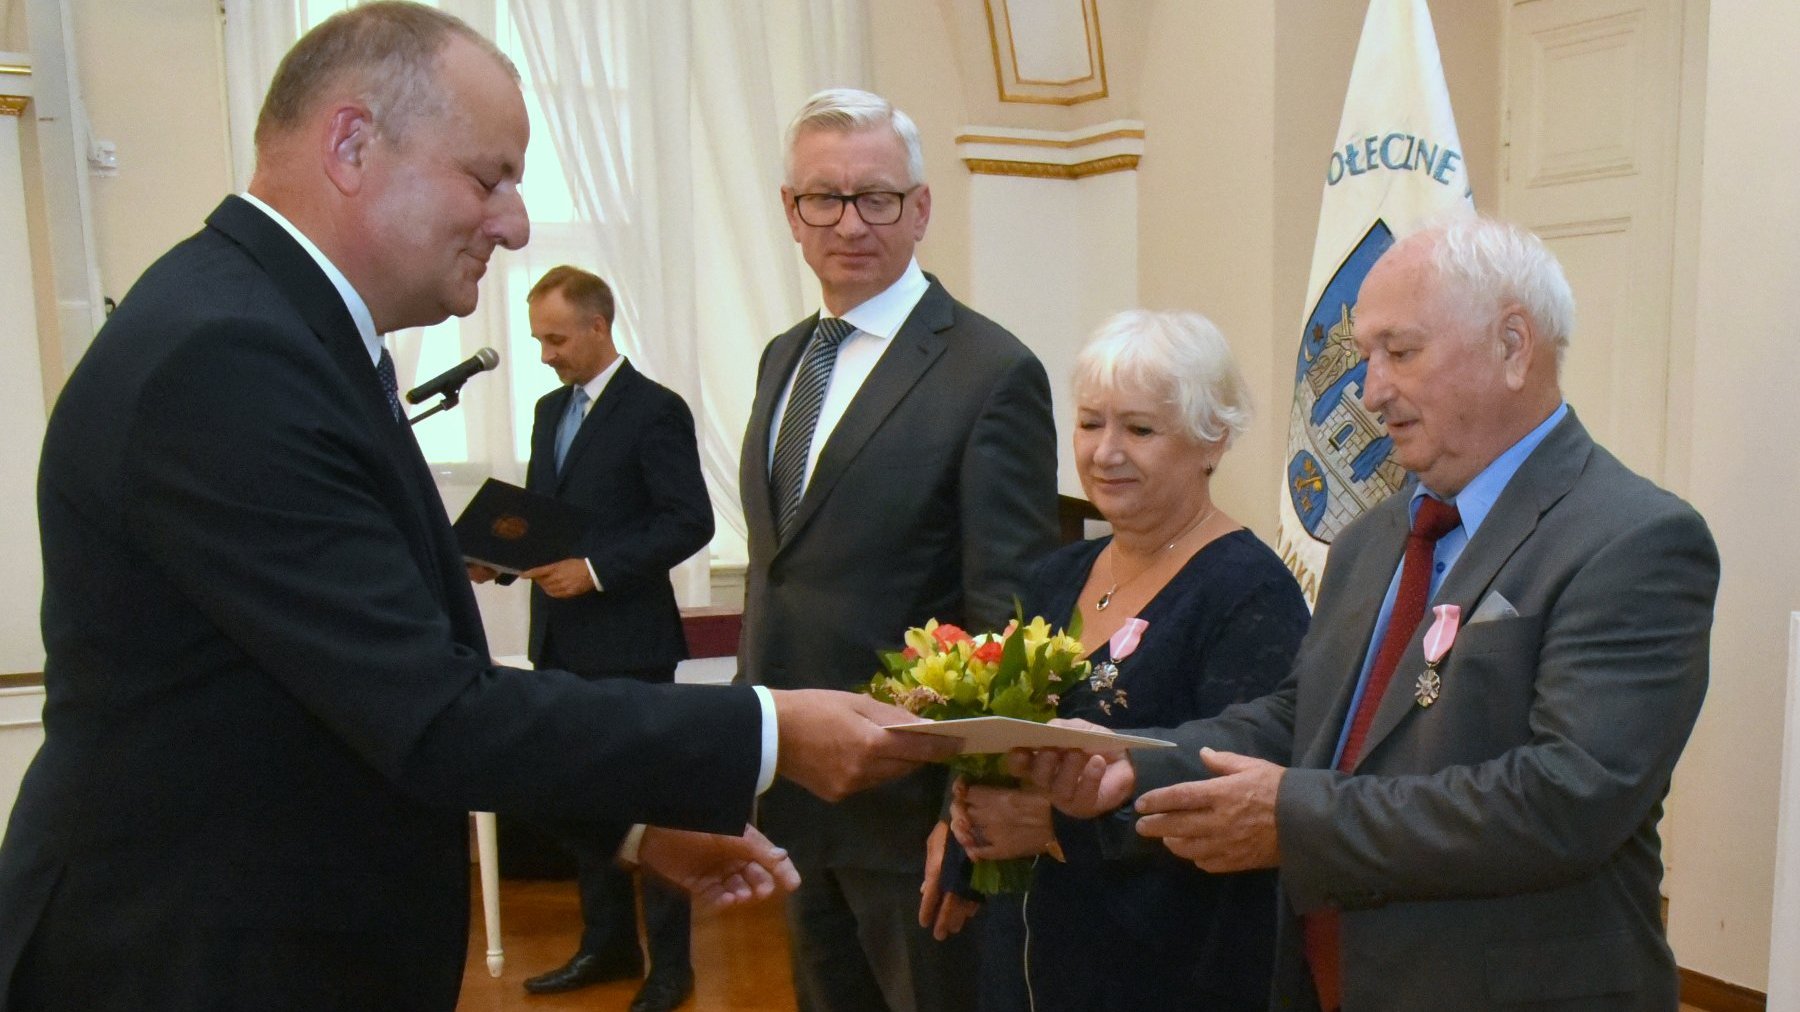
1012,662
1018,701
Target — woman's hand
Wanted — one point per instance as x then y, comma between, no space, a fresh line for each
944,913
995,823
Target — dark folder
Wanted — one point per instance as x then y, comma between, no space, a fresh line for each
509,529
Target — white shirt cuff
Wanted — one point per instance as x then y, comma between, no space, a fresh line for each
771,740
634,842
593,575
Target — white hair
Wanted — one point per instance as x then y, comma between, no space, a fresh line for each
1487,264
849,109
1179,357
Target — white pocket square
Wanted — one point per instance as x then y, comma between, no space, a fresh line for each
1494,606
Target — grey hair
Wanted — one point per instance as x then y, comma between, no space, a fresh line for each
849,109
1179,357
389,50
1488,263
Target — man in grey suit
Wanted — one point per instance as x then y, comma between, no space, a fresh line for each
899,465
1463,800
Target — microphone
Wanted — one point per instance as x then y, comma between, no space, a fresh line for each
451,380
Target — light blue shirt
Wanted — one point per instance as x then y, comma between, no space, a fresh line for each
1473,504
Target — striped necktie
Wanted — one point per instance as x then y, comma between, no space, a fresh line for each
793,444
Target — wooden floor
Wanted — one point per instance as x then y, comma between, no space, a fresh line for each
740,957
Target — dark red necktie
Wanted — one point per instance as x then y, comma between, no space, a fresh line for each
1435,519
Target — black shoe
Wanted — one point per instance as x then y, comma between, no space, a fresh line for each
584,970
663,992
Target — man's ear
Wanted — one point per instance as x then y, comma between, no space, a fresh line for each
348,141
922,206
1518,344
795,225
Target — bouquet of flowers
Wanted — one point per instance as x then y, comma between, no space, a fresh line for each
945,673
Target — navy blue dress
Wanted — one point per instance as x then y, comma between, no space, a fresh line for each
1154,932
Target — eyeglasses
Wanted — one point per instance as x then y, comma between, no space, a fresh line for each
874,207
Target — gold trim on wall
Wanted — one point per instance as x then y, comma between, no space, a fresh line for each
1128,133
15,69
1051,170
1045,93
13,105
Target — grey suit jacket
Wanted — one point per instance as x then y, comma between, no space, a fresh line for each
931,497
1499,848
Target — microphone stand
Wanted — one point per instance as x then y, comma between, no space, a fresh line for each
452,398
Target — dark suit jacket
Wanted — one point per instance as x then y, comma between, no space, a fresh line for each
1498,849
270,704
635,467
932,496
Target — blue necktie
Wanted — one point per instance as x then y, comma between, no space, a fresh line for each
571,424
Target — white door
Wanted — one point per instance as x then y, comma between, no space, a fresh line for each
1590,134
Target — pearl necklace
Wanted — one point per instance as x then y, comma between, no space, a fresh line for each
1113,551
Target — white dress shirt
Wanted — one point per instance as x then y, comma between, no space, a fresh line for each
876,322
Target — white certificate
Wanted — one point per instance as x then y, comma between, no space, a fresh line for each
980,735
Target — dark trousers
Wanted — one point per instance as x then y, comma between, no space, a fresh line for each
608,898
857,946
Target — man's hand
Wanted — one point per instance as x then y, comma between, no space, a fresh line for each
718,871
1082,785
996,823
479,573
944,913
1223,824
568,578
833,744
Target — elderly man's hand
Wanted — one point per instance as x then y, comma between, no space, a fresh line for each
718,871
479,573
568,578
1082,785
1223,824
996,823
833,743
943,912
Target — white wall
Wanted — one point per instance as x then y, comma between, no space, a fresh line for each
21,419
1743,477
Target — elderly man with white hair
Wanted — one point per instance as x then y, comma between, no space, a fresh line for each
1461,778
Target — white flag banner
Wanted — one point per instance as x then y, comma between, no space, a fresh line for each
1396,164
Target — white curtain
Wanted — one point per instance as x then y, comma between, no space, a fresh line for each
667,121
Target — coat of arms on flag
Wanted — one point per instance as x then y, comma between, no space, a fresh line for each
1395,164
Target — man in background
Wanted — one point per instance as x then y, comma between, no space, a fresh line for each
1462,799
621,447
899,465
270,705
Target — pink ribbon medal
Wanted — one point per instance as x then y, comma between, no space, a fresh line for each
1122,645
1126,639
1438,640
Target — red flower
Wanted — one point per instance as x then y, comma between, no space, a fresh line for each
949,635
988,652
910,654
